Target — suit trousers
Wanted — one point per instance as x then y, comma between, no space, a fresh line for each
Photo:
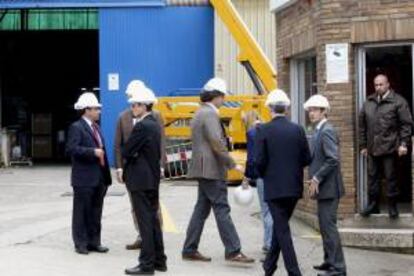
332,248
145,205
87,215
385,164
282,210
212,194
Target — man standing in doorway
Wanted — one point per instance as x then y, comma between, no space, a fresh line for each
142,154
90,175
124,126
326,184
210,162
282,153
385,134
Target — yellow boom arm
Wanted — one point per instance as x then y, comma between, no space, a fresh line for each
251,54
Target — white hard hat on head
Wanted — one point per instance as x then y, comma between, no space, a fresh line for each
134,86
318,101
216,84
87,100
277,97
144,95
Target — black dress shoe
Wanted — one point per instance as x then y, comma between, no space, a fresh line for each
82,250
161,268
323,267
99,249
393,209
332,272
372,208
138,270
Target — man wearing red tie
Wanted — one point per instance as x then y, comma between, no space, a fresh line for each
90,175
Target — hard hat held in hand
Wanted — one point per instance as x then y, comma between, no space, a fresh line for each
216,84
134,87
144,95
277,97
243,194
87,100
318,101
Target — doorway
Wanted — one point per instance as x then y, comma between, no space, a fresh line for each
42,74
395,61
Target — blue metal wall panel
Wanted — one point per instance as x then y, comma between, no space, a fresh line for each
32,4
169,48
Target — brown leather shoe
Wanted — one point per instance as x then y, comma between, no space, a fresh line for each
134,246
196,256
239,258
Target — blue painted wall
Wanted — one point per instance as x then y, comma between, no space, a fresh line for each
169,48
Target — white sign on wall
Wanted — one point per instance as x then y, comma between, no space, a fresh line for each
337,63
113,82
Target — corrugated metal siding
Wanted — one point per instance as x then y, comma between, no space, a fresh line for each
188,2
169,48
261,23
38,19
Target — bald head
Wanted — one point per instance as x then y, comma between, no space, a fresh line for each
381,84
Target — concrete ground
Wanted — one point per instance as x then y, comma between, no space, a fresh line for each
35,237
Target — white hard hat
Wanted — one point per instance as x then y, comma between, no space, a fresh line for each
134,86
144,95
216,84
277,97
243,195
317,101
87,100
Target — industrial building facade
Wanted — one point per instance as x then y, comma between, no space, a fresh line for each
336,48
50,50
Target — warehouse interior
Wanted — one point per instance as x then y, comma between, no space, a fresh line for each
41,75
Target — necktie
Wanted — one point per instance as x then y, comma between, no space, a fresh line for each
98,142
314,140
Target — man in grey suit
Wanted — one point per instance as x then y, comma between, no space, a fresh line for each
325,184
210,162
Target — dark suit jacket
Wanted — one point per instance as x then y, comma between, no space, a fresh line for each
142,156
124,128
282,153
325,165
86,169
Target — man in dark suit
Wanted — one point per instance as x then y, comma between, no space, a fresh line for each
90,175
326,184
142,175
126,121
282,153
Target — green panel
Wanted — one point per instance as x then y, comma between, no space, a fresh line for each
63,20
11,21
46,19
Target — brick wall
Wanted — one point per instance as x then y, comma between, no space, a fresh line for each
339,21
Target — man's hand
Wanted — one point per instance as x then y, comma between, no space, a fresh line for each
120,176
239,168
99,153
402,150
364,152
313,188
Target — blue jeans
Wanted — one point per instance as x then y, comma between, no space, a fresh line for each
266,215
